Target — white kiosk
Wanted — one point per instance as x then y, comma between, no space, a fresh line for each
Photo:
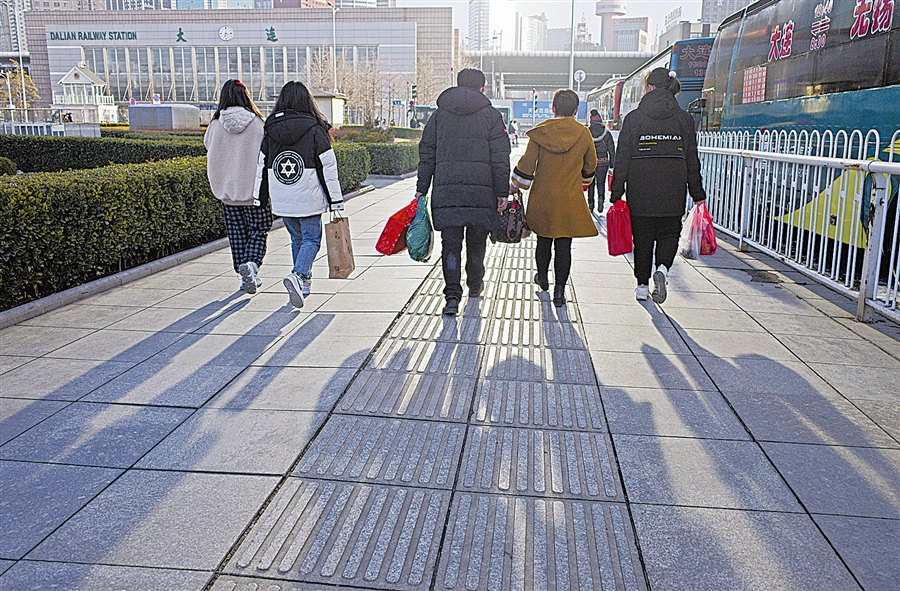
83,99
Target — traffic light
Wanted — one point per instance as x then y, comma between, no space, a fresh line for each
412,91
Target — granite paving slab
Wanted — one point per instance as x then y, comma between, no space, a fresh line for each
650,369
17,415
385,451
614,316
861,383
868,546
308,349
362,302
701,472
176,320
673,413
110,435
37,498
166,384
818,326
885,414
512,542
238,441
256,323
83,316
59,379
4,566
853,481
130,296
728,345
703,549
117,345
409,395
35,341
284,388
358,535
633,339
761,375
10,362
538,404
173,520
534,462
215,349
728,320
828,420
233,583
854,352
61,576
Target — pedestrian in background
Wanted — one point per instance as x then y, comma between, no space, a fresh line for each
606,160
232,143
297,171
559,160
464,152
514,132
656,160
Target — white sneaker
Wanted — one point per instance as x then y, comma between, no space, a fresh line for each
660,278
306,286
249,280
641,292
294,289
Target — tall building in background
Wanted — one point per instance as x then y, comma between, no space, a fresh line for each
609,10
631,34
492,25
715,11
12,32
297,4
139,4
561,39
531,32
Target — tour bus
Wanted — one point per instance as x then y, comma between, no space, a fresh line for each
687,58
606,100
806,64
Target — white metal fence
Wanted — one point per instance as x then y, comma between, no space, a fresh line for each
824,203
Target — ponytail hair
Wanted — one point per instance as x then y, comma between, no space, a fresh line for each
663,78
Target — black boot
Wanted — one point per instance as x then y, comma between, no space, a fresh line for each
559,296
590,205
452,307
542,281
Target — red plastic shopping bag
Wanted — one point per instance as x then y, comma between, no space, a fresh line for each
393,237
698,236
618,229
609,182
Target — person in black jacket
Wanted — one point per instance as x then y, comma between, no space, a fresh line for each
464,153
656,159
606,160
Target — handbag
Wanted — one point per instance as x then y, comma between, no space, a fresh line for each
393,237
419,234
512,226
618,229
339,246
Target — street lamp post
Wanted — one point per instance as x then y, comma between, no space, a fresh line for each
481,50
572,52
334,10
14,8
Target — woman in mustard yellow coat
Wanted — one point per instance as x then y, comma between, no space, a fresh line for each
559,160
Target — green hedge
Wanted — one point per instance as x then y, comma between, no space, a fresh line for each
181,136
354,164
393,159
7,166
59,230
52,154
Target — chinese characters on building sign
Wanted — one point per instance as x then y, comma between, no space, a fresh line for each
782,40
270,34
754,85
820,25
871,16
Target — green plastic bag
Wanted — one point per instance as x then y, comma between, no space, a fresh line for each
419,234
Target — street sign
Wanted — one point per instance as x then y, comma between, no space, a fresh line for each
580,76
396,102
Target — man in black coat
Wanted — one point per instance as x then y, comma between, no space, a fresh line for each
464,153
606,160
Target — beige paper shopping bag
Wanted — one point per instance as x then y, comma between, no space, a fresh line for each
340,248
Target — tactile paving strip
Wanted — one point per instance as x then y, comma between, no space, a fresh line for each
401,394
467,328
504,542
567,464
538,404
346,534
548,333
435,357
385,451
520,363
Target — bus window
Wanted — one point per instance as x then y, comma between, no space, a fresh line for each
717,74
790,77
893,73
851,66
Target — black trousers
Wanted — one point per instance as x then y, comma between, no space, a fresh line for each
654,237
562,262
599,185
451,258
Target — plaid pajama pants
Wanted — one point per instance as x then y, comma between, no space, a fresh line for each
247,227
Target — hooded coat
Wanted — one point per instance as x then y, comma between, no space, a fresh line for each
297,169
232,143
464,153
657,158
559,159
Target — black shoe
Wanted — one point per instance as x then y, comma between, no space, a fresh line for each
542,282
559,296
474,292
590,206
452,307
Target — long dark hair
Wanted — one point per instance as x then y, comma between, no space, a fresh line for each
663,78
235,94
295,96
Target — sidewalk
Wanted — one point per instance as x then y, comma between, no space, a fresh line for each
174,434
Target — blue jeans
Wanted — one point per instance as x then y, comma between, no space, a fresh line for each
306,237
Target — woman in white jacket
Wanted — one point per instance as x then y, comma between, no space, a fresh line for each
297,171
232,142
